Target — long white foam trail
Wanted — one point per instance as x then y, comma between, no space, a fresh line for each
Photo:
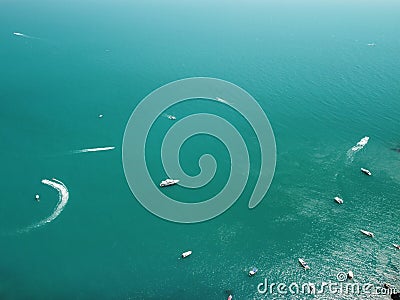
63,196
360,145
94,149
24,35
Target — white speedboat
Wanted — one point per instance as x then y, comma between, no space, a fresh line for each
253,272
168,182
368,233
171,117
339,200
365,171
304,264
396,246
186,254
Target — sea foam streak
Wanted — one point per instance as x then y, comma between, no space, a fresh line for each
94,149
63,196
24,35
361,144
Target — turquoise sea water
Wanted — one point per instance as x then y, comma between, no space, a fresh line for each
308,65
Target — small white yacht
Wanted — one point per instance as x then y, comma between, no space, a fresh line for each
171,117
350,275
186,254
368,233
339,200
396,246
365,171
253,272
304,264
168,182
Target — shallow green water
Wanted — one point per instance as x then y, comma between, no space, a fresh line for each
310,68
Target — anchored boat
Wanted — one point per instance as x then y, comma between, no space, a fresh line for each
365,171
186,254
339,200
168,182
253,272
304,264
367,233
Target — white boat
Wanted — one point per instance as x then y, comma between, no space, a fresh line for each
365,171
186,254
304,264
396,246
339,200
350,275
253,272
37,197
168,182
368,233
171,117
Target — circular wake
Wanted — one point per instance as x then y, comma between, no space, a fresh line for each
63,196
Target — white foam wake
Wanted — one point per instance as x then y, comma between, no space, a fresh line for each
94,149
63,196
360,145
24,35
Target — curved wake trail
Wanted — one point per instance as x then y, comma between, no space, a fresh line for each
353,150
94,149
63,196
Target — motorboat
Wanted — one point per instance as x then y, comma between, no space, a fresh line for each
339,200
171,117
304,264
168,182
230,297
253,272
365,171
186,254
37,197
368,233
350,275
396,246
